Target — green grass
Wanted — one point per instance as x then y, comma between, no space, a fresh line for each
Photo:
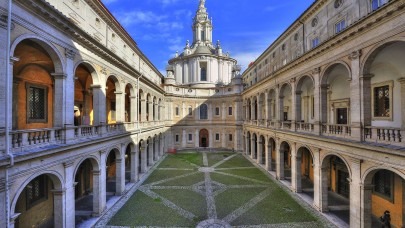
232,199
250,173
164,174
140,210
188,200
182,161
238,161
227,180
279,207
214,158
185,181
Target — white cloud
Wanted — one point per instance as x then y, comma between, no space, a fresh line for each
135,17
244,58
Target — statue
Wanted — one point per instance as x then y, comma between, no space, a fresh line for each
202,3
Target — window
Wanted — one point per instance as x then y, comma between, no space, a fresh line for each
217,111
314,22
296,36
338,3
230,111
383,182
375,4
177,111
203,112
217,136
203,35
230,137
190,137
177,138
382,101
315,42
190,111
340,26
203,74
283,47
36,191
37,98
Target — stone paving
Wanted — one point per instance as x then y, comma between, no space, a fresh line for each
209,189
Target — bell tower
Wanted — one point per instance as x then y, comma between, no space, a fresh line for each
202,27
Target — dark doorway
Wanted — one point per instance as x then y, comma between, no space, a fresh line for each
341,115
343,183
204,138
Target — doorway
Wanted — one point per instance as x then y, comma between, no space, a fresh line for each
204,138
341,115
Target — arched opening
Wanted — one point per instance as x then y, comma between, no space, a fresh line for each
141,159
271,102
149,147
160,107
111,100
249,108
305,172
284,162
155,148
33,87
148,107
261,108
254,146
335,95
88,201
305,102
262,150
154,108
38,202
335,187
285,103
128,163
255,108
249,144
140,101
83,110
383,191
115,181
204,138
272,155
383,83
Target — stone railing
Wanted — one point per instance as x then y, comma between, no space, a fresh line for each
305,127
383,135
339,130
35,137
286,125
262,123
271,124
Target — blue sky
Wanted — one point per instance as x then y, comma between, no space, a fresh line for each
244,27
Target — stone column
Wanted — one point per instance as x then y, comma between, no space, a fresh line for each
252,148
134,109
69,195
252,110
402,82
366,204
211,138
321,191
120,106
150,152
144,159
150,113
59,98
259,151
266,107
293,104
184,139
296,170
355,193
196,139
247,139
355,97
99,108
155,149
120,173
155,117
298,106
162,145
317,101
143,110
99,195
59,206
280,163
259,108
317,180
134,164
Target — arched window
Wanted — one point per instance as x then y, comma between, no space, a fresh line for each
203,112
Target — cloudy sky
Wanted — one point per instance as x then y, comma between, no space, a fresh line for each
244,27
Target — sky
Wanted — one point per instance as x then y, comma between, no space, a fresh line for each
244,27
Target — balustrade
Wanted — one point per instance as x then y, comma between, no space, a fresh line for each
383,135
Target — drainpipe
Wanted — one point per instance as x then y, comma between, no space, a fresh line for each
7,120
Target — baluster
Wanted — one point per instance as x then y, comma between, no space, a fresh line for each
399,136
393,135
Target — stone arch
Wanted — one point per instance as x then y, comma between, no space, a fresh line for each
272,154
304,102
304,170
91,67
54,52
130,162
254,145
262,150
57,204
328,68
284,161
285,103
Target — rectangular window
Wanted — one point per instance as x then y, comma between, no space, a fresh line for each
340,26
382,101
37,98
217,137
230,111
177,111
190,111
202,35
190,137
384,184
36,191
230,137
315,42
375,4
177,138
217,111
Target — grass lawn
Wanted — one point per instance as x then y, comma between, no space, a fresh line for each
190,204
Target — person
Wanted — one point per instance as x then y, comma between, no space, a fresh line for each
386,220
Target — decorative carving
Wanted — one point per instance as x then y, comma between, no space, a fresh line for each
70,54
355,55
316,70
103,70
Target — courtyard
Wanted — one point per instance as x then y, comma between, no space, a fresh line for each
198,189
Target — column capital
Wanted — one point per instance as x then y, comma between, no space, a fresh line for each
118,160
70,54
367,186
355,55
96,172
58,192
59,75
102,152
68,164
95,86
316,70
13,60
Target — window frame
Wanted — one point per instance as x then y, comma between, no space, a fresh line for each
340,26
392,186
230,111
177,138
217,111
390,84
190,111
203,117
219,137
28,86
190,137
230,137
177,111
317,42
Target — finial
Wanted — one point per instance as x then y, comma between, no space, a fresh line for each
218,44
187,44
202,3
177,54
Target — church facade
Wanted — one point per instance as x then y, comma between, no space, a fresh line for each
87,114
